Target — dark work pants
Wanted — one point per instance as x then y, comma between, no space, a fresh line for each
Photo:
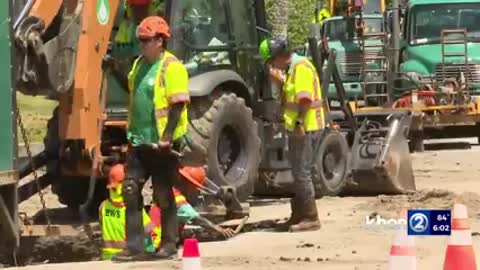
301,156
163,168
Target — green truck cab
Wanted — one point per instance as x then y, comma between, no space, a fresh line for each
426,54
338,34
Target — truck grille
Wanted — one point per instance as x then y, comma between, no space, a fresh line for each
472,74
350,64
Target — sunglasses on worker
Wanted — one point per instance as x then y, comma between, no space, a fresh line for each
145,40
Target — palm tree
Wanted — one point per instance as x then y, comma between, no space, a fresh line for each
279,17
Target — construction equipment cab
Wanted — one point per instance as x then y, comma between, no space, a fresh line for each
345,32
440,49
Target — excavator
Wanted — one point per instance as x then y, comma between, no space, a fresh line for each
56,49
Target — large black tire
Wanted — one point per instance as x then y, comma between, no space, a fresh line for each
71,190
331,164
230,134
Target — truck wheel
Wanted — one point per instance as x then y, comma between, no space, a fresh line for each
71,190
229,133
331,165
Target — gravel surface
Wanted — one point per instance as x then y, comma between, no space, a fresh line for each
345,241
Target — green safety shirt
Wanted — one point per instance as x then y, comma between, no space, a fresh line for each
154,88
302,83
113,222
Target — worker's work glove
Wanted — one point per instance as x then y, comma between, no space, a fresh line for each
109,62
227,232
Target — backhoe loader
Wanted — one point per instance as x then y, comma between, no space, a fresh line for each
55,48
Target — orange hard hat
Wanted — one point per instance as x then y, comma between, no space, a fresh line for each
153,26
195,175
138,2
116,176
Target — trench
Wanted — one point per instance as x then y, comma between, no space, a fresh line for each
80,248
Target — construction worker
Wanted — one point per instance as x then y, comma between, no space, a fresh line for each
322,14
135,12
158,86
112,219
304,120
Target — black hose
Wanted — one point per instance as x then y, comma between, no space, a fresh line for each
96,153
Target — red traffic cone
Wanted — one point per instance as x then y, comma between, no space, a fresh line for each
402,251
460,254
191,255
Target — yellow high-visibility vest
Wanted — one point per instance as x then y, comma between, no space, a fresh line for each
303,83
322,15
113,222
170,87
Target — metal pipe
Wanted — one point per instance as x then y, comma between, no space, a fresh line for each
395,35
260,16
392,131
29,189
9,227
23,13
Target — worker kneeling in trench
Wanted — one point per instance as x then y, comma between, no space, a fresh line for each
113,214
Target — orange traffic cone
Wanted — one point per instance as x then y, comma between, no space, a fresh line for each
460,254
191,255
402,252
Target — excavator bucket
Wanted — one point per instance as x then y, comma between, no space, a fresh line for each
380,159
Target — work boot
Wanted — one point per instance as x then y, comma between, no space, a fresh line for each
168,249
127,256
294,217
308,218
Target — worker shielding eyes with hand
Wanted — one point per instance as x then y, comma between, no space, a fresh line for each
304,119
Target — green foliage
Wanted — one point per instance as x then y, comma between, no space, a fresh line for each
35,112
301,13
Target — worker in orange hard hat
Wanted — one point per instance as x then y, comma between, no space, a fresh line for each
112,219
158,90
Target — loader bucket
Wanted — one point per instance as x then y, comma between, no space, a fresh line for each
380,159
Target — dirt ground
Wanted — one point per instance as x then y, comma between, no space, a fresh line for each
345,241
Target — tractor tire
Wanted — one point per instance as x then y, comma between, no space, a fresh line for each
71,190
229,133
331,164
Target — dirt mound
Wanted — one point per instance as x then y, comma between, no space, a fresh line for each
423,199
